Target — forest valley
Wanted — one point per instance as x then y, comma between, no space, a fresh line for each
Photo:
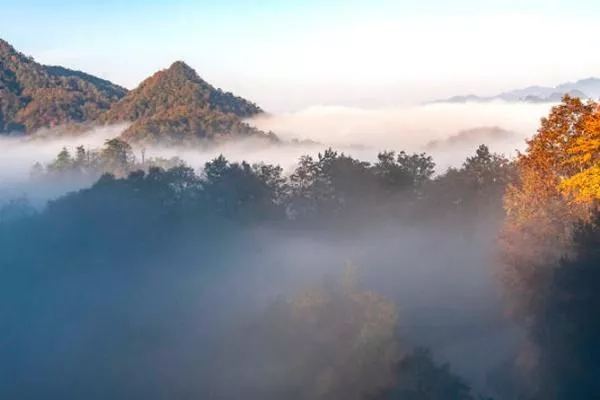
162,281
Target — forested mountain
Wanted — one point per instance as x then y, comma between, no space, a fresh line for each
177,86
175,105
34,96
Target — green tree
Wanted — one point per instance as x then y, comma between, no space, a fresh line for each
117,157
241,191
62,163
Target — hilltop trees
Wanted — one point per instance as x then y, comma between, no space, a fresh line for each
330,186
116,157
337,184
473,191
243,191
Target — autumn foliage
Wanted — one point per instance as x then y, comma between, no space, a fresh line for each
34,96
172,107
543,256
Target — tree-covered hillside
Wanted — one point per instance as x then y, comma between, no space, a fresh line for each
176,106
33,96
172,107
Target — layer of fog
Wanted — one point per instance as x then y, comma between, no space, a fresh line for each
152,329
18,154
448,299
408,128
361,133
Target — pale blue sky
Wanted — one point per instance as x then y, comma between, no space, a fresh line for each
291,54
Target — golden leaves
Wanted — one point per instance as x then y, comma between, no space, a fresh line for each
584,186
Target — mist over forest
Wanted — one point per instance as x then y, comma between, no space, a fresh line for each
361,133
202,256
176,241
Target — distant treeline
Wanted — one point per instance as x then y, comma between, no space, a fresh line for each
330,187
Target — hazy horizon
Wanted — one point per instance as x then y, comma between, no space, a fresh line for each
286,57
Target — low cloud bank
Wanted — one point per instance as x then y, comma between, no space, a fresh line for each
361,133
409,128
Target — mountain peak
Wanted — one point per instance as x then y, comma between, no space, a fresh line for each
175,90
176,105
180,65
180,68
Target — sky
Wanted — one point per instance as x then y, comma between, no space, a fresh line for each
288,55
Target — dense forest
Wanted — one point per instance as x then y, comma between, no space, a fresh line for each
165,281
136,261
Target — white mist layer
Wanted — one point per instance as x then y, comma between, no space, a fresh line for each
20,153
361,133
406,128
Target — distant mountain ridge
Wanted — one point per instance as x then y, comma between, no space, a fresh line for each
173,106
585,88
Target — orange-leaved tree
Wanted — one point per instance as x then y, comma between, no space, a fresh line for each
541,211
584,158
